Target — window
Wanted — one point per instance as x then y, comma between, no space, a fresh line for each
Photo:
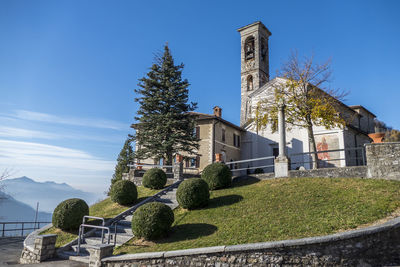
236,140
249,48
194,162
196,132
223,135
249,83
275,152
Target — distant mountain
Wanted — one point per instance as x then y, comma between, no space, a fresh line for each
48,194
14,210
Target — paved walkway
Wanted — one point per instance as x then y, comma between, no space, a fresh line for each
10,251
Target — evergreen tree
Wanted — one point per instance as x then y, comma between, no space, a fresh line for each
124,158
164,125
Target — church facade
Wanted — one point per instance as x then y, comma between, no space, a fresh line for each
256,86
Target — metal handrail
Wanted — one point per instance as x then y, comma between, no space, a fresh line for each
93,217
82,226
150,165
249,160
333,150
250,168
324,151
22,229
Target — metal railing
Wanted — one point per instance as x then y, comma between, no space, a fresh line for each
25,226
358,160
148,165
238,162
82,227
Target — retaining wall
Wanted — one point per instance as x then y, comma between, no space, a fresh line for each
383,160
346,172
42,249
372,246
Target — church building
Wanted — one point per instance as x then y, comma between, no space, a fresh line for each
256,86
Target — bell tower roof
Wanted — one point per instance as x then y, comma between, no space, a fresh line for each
259,23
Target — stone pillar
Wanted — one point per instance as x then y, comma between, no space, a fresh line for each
282,162
99,252
43,249
177,170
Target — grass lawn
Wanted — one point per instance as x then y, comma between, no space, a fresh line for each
105,209
256,211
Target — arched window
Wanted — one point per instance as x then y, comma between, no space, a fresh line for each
250,83
249,48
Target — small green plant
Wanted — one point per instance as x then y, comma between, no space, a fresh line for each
152,220
69,213
154,178
193,193
258,171
217,175
123,192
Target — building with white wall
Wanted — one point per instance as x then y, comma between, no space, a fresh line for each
256,86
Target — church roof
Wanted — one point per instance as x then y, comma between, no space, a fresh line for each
204,116
361,107
271,83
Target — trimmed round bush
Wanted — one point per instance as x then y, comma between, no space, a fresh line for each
258,171
123,192
193,193
217,175
152,220
154,178
69,213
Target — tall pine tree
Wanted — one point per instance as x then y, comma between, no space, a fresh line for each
124,158
164,125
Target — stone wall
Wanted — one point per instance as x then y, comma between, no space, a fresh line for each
42,249
342,172
372,246
383,160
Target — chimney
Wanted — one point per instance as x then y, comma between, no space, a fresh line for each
217,111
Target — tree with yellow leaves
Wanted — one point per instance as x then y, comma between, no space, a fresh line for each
308,102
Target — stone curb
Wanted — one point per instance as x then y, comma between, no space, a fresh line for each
194,251
137,256
394,223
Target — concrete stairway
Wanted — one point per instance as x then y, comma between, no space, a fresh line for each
123,228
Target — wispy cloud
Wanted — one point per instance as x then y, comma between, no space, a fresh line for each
25,133
87,122
14,132
18,154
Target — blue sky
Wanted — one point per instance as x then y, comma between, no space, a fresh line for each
68,69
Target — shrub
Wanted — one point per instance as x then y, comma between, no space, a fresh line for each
193,193
152,220
258,171
123,192
217,175
69,213
154,178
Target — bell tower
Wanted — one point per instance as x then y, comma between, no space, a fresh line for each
254,63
